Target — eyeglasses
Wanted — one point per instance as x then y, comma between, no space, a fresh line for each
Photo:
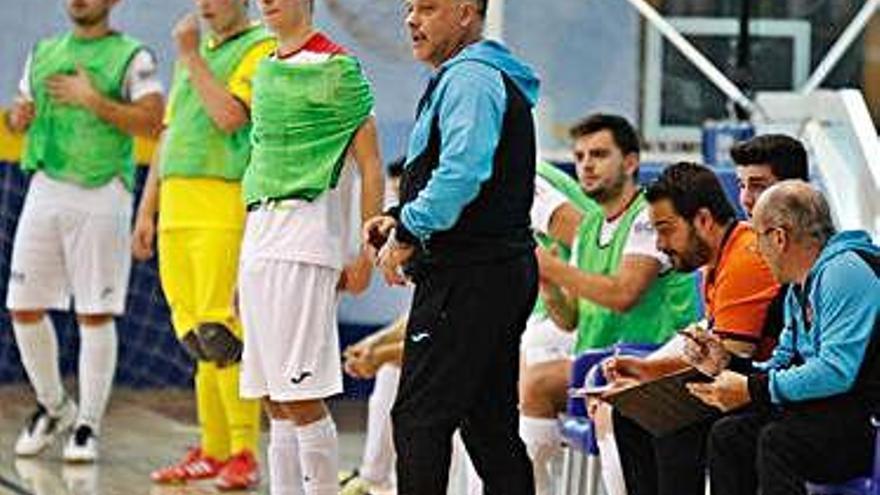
765,232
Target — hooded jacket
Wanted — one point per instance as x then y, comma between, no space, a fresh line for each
828,326
468,182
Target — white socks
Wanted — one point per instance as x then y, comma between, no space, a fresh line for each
303,460
612,472
38,347
285,476
319,457
378,463
543,444
97,365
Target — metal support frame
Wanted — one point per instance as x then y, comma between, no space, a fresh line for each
581,473
838,50
495,20
690,52
743,76
731,90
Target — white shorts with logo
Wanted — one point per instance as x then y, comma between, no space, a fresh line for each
292,254
291,339
72,241
543,341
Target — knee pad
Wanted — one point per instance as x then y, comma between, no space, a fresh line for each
219,344
193,346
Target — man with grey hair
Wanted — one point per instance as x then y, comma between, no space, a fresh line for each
805,413
462,233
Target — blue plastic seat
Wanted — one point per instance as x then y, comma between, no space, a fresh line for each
585,362
576,406
580,469
865,485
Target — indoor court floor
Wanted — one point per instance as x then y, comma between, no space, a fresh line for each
142,430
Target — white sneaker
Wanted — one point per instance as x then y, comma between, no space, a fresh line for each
82,445
43,428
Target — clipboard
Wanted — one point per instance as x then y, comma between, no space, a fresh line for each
664,405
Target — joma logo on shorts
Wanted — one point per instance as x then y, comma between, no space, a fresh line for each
296,380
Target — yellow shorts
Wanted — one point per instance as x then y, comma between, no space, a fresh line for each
200,228
198,270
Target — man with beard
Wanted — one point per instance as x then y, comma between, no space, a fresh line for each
804,414
696,227
83,97
617,286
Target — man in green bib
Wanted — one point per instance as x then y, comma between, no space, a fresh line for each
616,287
559,206
83,97
195,185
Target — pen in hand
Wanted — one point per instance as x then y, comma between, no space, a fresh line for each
705,351
688,335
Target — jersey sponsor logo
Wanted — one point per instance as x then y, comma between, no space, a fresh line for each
146,69
145,73
643,227
418,337
296,380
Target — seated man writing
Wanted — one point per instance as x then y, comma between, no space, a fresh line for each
806,411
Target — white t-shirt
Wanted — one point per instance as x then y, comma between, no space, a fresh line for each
316,232
642,239
141,77
547,200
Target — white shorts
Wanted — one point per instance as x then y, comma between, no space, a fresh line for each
291,339
72,241
543,341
